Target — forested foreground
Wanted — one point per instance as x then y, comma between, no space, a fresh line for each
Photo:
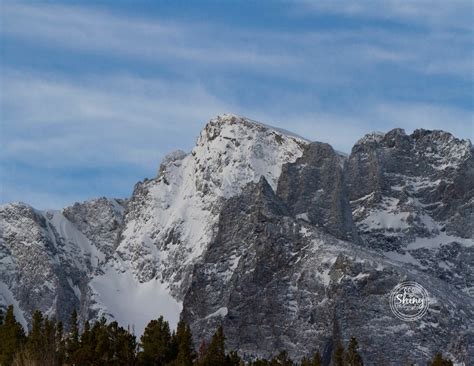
102,343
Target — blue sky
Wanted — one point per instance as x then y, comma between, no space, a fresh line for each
94,94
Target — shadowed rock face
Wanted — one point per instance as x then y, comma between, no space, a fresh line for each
99,220
314,189
425,180
35,266
272,236
277,282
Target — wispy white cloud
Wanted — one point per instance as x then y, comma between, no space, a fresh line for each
430,13
343,128
84,29
61,121
122,119
126,121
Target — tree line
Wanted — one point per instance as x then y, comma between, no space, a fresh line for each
103,343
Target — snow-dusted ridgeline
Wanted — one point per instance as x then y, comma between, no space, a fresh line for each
255,212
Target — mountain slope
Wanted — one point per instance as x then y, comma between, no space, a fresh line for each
272,236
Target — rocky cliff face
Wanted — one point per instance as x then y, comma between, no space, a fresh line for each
270,235
47,260
412,198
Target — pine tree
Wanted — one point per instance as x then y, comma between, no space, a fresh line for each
183,341
215,353
60,344
352,356
259,362
233,359
305,361
1,326
438,360
337,357
156,343
102,346
202,349
49,333
123,345
36,343
72,344
85,352
317,360
282,359
12,336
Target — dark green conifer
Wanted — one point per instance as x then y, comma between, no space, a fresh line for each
337,357
72,344
156,343
183,341
438,360
50,347
60,344
317,360
353,357
12,337
282,359
36,342
233,359
102,344
215,353
305,361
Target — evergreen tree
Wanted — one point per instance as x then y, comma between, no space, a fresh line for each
305,361
317,360
1,326
123,346
259,362
12,336
201,352
102,345
438,360
60,346
85,352
215,353
49,334
183,344
352,356
72,344
35,345
233,359
156,343
282,359
337,357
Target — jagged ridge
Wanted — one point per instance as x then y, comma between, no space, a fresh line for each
256,214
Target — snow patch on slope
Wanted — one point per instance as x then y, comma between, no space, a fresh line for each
7,298
179,209
74,238
132,303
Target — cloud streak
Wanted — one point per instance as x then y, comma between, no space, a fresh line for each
83,29
92,99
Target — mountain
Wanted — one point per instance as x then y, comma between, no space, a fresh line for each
272,236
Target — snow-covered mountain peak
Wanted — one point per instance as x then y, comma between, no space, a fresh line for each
232,151
258,218
217,124
171,220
